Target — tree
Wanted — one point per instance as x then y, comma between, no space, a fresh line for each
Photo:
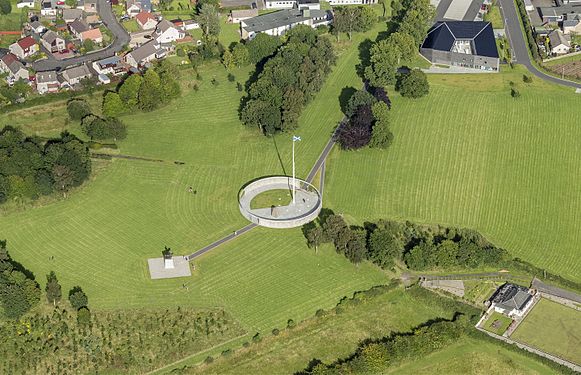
5,7
77,109
63,178
201,3
353,19
150,91
78,298
381,135
315,237
209,20
359,98
404,44
384,248
89,45
240,55
413,84
228,60
113,106
84,316
53,288
417,18
129,90
262,46
104,128
71,3
447,253
383,65
356,251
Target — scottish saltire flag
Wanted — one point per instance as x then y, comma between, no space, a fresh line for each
295,138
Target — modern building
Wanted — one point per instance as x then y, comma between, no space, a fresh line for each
462,43
47,82
24,47
511,300
312,4
352,2
25,3
277,23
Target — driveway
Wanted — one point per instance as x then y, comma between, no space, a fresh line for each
120,35
520,45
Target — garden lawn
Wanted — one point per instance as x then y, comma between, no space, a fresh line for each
470,356
103,233
497,323
554,328
469,155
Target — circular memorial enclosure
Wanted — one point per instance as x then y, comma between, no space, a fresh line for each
268,202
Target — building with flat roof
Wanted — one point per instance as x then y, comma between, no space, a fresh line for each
462,43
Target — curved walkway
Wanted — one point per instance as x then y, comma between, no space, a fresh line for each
520,46
121,38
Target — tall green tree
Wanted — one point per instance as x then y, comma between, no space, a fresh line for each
353,19
78,298
384,64
413,84
405,46
150,91
53,288
209,20
262,46
113,106
129,90
315,237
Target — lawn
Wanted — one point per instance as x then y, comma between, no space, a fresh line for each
11,22
469,356
554,328
469,155
328,338
495,17
278,197
497,323
102,234
131,25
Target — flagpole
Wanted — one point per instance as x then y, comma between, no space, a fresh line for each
294,181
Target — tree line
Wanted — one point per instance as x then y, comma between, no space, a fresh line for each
288,81
420,247
31,167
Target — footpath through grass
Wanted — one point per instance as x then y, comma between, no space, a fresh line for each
553,328
469,155
101,236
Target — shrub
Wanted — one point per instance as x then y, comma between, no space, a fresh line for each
320,313
276,332
239,87
246,344
291,324
231,77
527,78
514,93
77,109
257,337
413,85
84,316
227,352
78,298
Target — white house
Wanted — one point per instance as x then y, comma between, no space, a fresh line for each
111,65
73,76
277,23
36,27
167,32
25,3
47,82
309,4
560,43
146,20
53,42
24,47
49,7
144,54
512,300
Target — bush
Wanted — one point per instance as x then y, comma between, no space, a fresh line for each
321,313
78,298
275,332
239,87
413,85
84,316
227,352
246,344
514,93
291,324
257,337
231,77
77,109
527,78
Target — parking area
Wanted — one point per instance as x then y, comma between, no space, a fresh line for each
456,10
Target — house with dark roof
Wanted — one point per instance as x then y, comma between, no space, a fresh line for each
10,64
277,23
77,27
511,300
111,65
143,55
462,43
75,75
53,42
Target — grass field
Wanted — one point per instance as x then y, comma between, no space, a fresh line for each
469,155
554,328
279,197
102,235
328,338
497,323
469,356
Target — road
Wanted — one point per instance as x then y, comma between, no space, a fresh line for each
120,35
520,45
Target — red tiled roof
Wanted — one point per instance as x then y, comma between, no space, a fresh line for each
143,17
91,34
27,42
9,58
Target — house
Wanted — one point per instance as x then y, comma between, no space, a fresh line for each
49,7
277,23
134,7
146,53
73,76
53,42
559,13
308,4
146,20
560,43
166,32
24,47
103,79
572,26
69,15
92,34
511,300
36,27
9,64
77,27
191,25
111,65
47,82
462,43
529,6
25,3
239,15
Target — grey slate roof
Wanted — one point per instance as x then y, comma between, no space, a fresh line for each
244,13
511,296
557,38
144,51
50,36
79,26
72,13
76,72
282,18
35,25
46,77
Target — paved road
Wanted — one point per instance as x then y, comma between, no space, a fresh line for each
120,35
553,290
213,245
520,46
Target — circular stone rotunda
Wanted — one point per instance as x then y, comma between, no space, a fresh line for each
305,208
